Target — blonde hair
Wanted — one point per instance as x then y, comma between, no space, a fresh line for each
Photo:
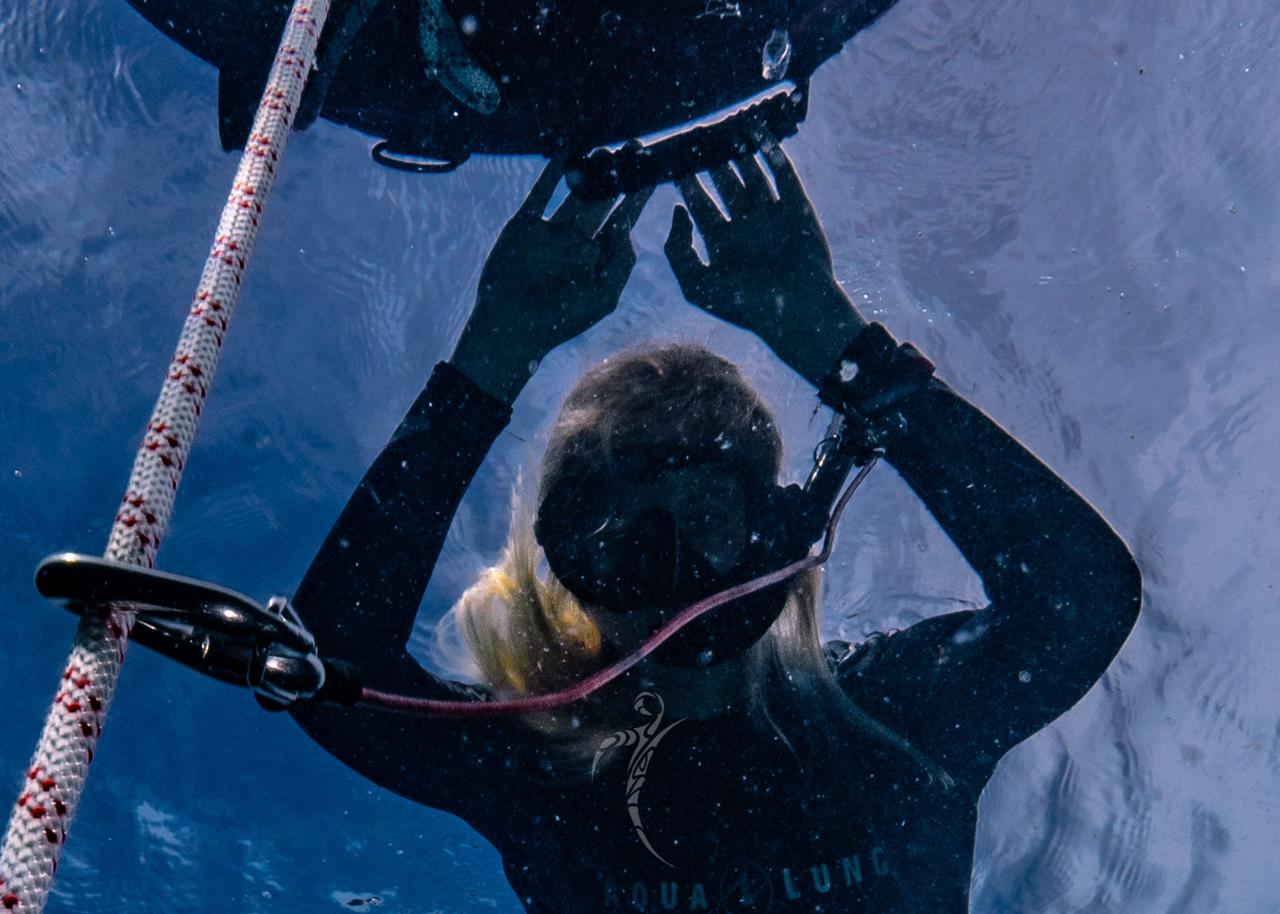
524,633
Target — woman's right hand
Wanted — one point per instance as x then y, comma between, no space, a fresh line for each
770,269
545,282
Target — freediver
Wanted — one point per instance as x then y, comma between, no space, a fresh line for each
802,776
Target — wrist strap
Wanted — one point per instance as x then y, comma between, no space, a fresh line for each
872,378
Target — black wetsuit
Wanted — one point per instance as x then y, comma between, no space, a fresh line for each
722,800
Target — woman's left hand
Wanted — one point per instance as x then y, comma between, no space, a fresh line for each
546,281
770,269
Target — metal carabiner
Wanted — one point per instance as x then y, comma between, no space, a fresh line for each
215,631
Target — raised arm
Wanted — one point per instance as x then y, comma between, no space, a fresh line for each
1064,589
545,281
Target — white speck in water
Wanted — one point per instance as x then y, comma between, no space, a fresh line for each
468,25
848,371
1024,676
17,474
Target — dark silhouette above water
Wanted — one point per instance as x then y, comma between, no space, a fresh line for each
447,79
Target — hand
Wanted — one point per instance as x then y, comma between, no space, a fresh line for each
545,282
770,268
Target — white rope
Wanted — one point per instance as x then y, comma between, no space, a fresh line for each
51,791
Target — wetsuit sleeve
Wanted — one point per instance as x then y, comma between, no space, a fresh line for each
1064,590
361,594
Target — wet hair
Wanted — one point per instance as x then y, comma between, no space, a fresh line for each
663,400
524,633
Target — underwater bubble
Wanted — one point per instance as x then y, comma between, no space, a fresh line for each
775,56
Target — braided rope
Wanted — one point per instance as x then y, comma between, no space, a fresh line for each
42,816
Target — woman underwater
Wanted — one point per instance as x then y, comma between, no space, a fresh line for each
791,775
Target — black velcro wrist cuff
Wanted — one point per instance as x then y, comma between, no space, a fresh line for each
873,376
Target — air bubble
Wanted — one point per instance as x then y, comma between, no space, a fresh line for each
775,56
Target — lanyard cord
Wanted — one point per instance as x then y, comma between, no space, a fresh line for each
427,707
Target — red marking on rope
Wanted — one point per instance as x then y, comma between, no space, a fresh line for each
128,521
60,807
48,784
83,682
95,703
73,706
85,730
52,837
22,800
10,901
37,811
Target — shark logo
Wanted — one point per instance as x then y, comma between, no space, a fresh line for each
645,738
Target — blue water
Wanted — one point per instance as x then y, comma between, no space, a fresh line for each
1071,208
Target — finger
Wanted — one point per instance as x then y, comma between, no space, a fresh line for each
617,228
753,178
535,204
685,262
784,174
730,189
632,206
705,212
584,215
